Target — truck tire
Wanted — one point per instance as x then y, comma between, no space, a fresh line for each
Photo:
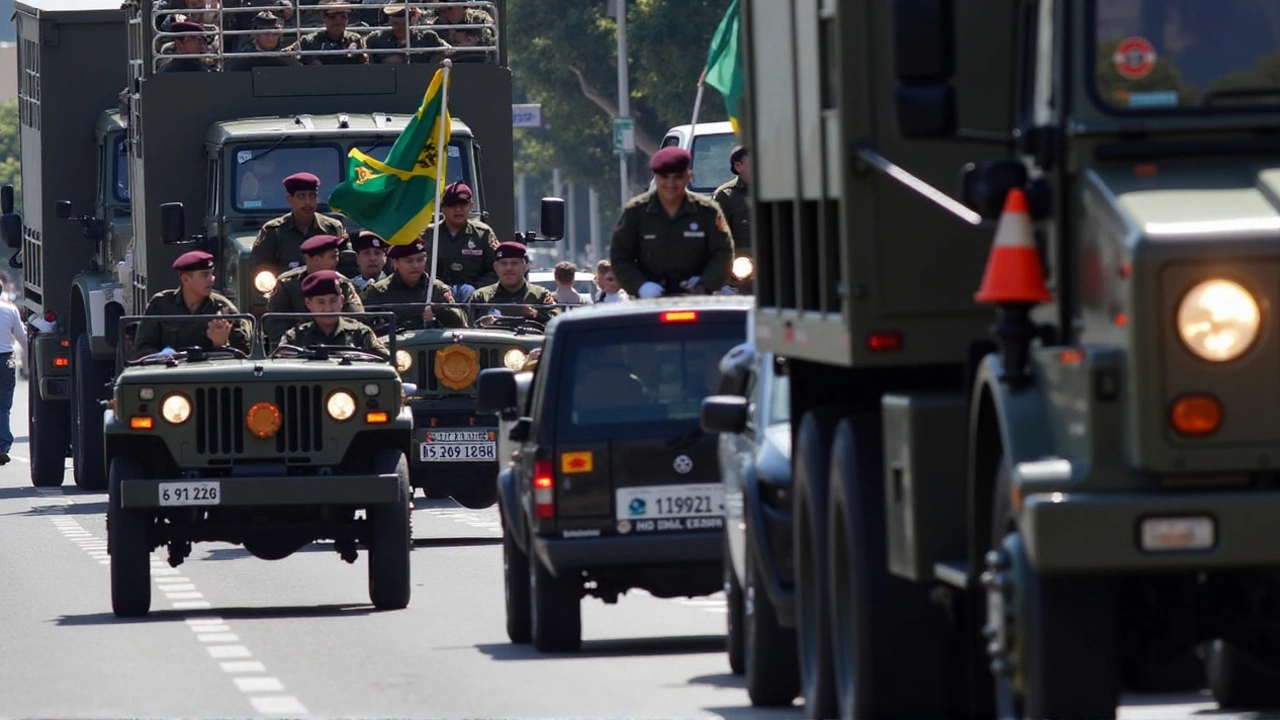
555,610
811,459
478,498
771,665
129,543
1239,680
48,431
391,539
735,632
88,389
889,640
515,581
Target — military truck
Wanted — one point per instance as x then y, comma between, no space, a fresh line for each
81,272
1033,504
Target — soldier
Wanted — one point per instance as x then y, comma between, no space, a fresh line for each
394,13
187,45
335,36
318,253
277,247
512,287
371,257
265,39
467,246
408,284
463,15
193,296
734,199
323,292
669,239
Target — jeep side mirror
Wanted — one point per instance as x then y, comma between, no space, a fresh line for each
552,225
520,431
724,414
6,199
172,223
924,61
984,187
496,391
11,230
62,208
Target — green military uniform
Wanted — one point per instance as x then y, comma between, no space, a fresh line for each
466,257
288,299
393,289
417,38
734,199
279,243
528,294
363,285
321,40
155,335
349,332
650,246
474,16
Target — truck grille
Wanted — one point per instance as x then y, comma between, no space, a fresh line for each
302,427
219,420
426,362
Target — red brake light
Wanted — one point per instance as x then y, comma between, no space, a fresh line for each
50,316
61,361
884,342
544,482
673,316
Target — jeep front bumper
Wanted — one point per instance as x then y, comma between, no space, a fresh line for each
250,491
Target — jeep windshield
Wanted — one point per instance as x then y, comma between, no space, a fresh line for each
638,376
711,161
1186,55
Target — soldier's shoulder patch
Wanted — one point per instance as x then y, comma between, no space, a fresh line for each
331,223
291,275
721,224
273,223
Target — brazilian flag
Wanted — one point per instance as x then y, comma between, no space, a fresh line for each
396,198
724,64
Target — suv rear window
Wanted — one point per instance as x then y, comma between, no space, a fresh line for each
642,375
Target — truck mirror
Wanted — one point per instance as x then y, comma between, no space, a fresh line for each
172,223
6,198
496,390
724,414
923,40
552,218
925,111
62,208
11,230
984,187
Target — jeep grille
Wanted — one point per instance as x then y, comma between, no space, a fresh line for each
489,358
301,430
219,420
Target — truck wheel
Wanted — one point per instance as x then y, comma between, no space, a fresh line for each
1239,680
889,638
129,543
391,539
515,580
555,610
478,498
735,637
88,389
812,457
1057,655
772,668
48,430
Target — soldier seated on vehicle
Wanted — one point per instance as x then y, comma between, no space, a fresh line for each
512,266
276,248
371,257
193,296
408,284
335,36
478,19
393,14
318,253
265,39
322,291
469,38
194,44
466,246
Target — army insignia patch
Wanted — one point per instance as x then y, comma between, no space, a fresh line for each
362,174
471,244
693,226
456,267
618,225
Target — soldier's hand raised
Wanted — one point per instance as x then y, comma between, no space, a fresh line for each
219,331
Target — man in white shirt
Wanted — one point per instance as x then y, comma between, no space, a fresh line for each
11,331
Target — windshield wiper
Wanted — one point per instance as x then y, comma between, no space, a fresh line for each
1212,96
191,354
325,352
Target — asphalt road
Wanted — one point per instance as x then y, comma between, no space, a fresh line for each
234,636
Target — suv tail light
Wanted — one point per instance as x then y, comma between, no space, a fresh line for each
673,316
544,488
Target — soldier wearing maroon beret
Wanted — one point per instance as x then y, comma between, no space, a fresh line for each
371,258
322,291
408,284
278,246
671,240
319,253
466,245
526,299
193,296
192,44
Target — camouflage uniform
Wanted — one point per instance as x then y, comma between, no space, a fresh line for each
467,257
418,38
349,331
474,16
734,198
155,335
393,289
529,294
648,245
320,40
288,299
279,243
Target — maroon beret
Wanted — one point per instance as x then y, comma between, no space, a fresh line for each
301,181
186,26
404,251
321,282
193,261
670,160
456,193
368,240
320,243
511,249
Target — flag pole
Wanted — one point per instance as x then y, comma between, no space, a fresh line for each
442,170
697,105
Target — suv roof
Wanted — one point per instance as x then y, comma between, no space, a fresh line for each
610,314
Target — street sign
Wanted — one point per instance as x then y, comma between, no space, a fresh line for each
624,136
527,115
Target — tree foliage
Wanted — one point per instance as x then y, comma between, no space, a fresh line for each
10,150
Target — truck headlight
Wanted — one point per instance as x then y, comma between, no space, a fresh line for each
743,267
264,282
341,405
514,359
175,409
1218,320
404,361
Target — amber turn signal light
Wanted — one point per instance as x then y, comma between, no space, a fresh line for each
263,420
1196,415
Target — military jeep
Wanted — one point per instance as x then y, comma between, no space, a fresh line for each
268,452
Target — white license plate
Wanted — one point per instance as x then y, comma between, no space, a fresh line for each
656,502
458,452
191,493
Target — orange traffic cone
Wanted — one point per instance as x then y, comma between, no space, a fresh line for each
1013,272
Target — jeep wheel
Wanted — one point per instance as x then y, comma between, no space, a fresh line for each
129,543
391,539
555,610
48,430
515,580
769,652
480,497
733,600
88,389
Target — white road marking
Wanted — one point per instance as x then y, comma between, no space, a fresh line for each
198,629
183,595
284,705
242,666
227,652
259,684
191,605
219,638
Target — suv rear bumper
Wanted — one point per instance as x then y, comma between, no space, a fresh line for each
367,489
566,554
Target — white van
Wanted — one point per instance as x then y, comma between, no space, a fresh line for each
710,146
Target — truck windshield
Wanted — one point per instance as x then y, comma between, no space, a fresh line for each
259,171
119,171
458,168
1167,55
711,161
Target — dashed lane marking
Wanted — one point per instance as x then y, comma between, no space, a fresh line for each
264,692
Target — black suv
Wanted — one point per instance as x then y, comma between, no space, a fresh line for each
612,484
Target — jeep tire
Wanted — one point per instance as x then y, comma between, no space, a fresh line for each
129,543
555,610
390,537
88,389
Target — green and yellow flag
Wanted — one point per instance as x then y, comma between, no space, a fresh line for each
397,198
724,64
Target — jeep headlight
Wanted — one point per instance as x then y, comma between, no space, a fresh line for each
175,409
264,282
404,361
1218,320
514,359
341,405
743,267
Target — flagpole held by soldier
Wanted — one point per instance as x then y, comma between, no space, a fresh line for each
442,165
